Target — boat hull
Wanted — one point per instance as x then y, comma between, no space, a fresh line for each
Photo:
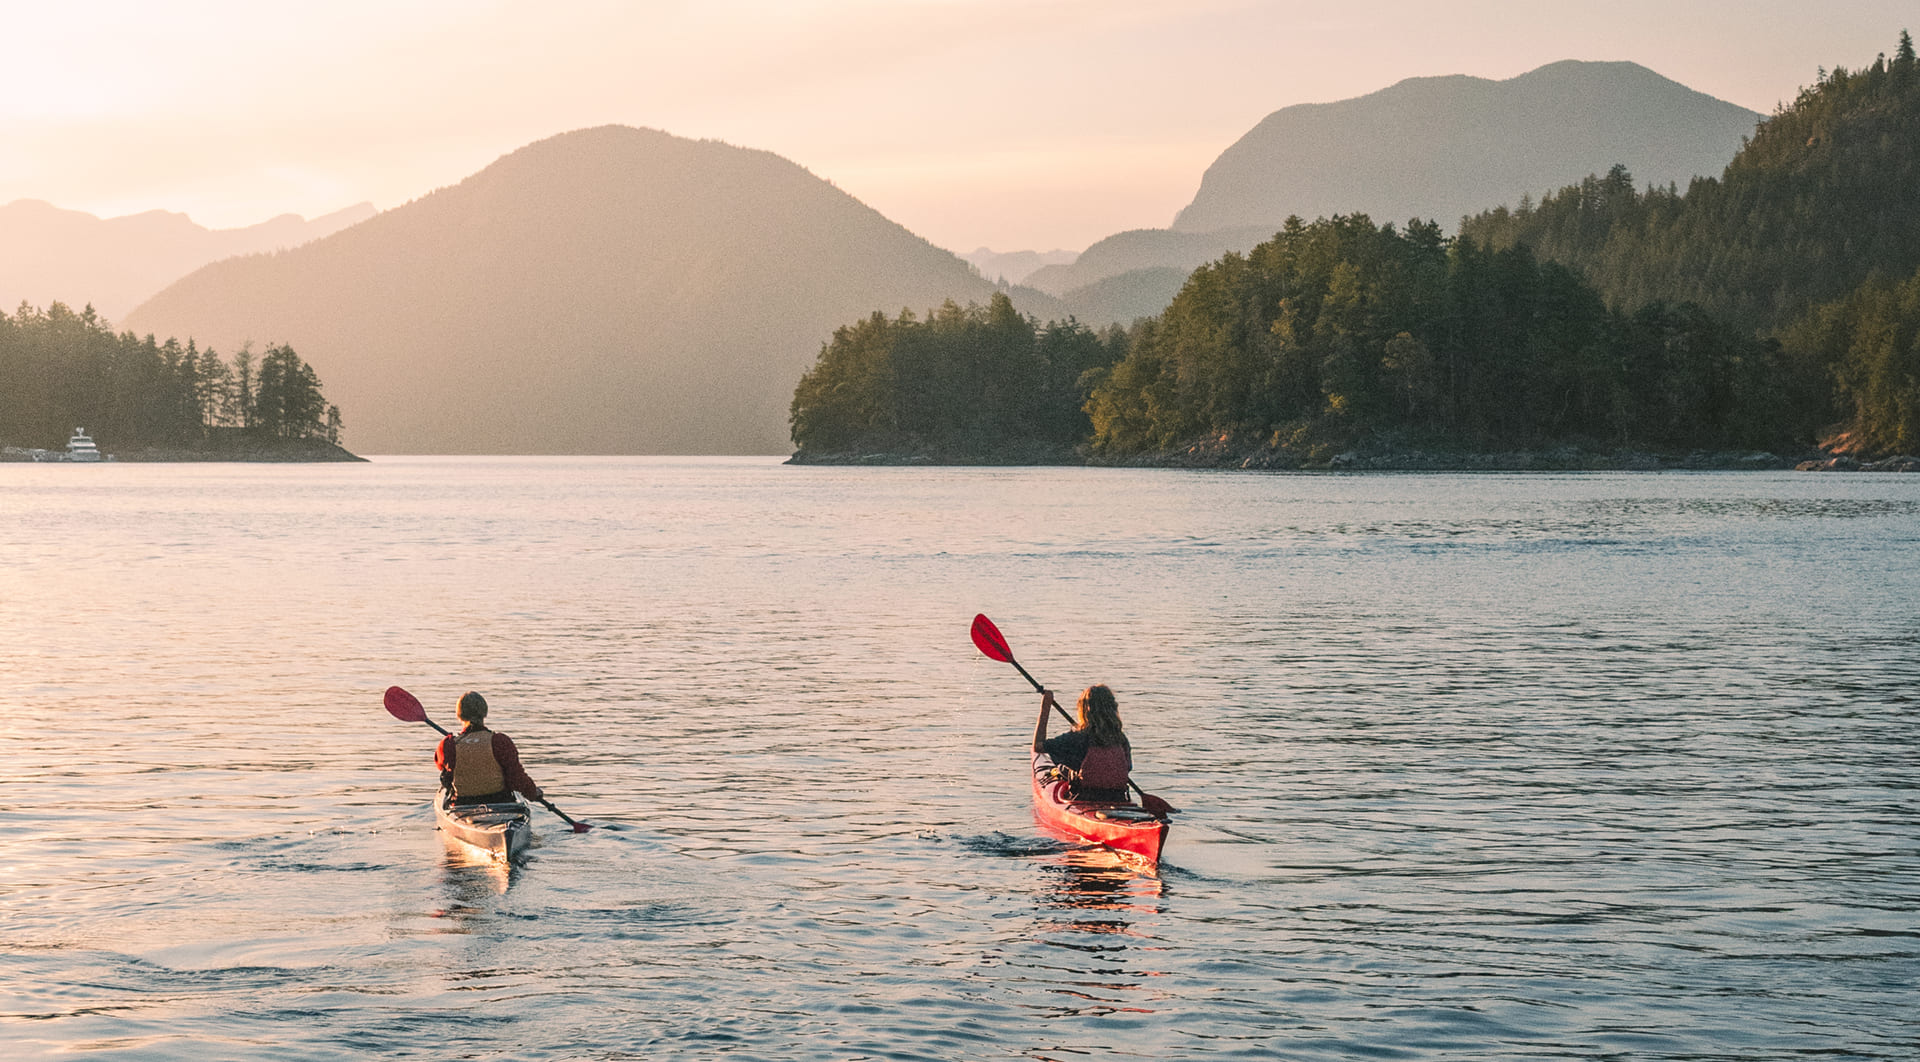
502,831
1123,826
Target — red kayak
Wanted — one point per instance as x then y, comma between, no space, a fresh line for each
1123,826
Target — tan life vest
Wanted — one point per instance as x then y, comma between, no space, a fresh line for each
475,771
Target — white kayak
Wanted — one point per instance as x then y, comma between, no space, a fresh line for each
501,830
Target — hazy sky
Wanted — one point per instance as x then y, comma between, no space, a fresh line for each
1010,123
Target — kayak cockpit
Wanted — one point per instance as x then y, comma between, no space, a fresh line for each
503,830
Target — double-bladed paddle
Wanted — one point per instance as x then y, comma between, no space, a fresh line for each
988,639
407,708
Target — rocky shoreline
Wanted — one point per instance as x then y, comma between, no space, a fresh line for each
280,451
1005,456
1844,463
1223,452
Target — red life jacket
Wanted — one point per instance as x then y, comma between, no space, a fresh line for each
1105,767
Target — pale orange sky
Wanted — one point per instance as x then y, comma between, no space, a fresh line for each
1007,123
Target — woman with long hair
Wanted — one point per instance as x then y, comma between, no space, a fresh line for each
1094,756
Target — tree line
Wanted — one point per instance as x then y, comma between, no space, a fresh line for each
1327,333
963,380
1340,329
60,369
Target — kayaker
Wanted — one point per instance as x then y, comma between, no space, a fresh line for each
1094,756
479,765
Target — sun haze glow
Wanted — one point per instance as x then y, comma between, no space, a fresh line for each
1008,123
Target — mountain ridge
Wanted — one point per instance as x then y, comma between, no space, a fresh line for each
52,254
1483,142
605,290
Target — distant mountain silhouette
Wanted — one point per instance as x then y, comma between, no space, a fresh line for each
1436,148
48,254
1125,297
609,290
1014,267
1143,249
1440,148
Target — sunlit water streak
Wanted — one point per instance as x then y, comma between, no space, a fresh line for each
1474,766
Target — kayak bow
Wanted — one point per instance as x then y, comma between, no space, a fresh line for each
1125,827
503,831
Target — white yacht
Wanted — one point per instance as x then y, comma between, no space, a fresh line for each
81,448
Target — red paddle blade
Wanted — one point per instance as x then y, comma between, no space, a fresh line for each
988,638
405,706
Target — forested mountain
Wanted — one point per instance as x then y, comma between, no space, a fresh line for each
1437,147
1826,195
50,255
1327,334
1342,331
1443,147
60,369
1812,233
610,290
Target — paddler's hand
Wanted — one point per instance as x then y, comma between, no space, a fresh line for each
1040,723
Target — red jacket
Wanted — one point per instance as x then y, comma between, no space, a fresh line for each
503,752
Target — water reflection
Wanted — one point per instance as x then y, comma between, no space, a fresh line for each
471,878
1104,906
1493,767
1094,878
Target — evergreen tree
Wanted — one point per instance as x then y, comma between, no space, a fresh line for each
970,380
60,370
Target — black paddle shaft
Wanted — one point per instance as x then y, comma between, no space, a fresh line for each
1037,688
548,804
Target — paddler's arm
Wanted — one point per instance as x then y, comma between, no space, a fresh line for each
508,757
1040,725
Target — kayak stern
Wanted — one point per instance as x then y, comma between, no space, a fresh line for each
1123,826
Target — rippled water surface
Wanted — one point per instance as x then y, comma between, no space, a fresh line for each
1474,767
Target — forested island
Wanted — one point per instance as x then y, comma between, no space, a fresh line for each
1756,318
145,400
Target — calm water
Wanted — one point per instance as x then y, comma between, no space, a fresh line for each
1475,767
